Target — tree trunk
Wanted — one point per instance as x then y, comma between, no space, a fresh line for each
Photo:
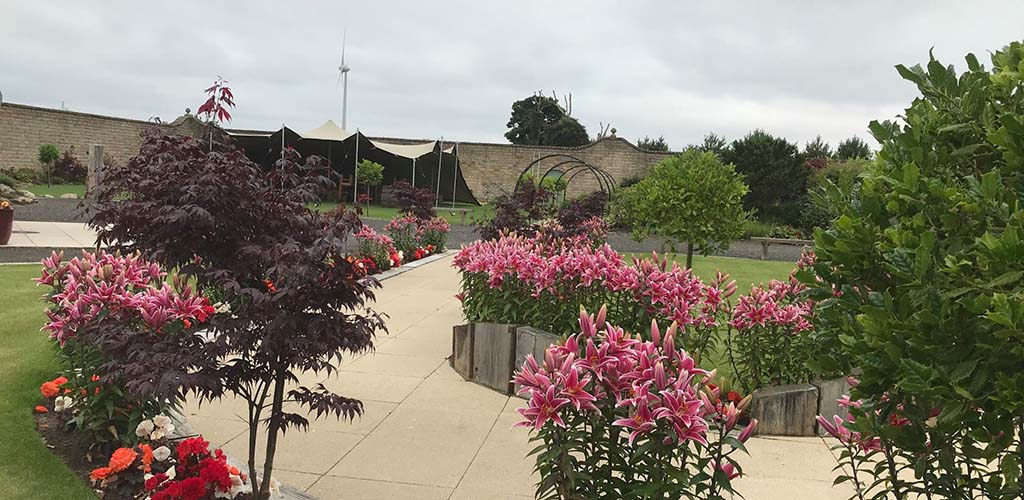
689,254
272,431
254,426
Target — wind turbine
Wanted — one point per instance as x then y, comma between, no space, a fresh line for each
343,70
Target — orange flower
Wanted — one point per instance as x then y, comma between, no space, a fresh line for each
41,409
147,457
100,473
122,459
49,389
61,380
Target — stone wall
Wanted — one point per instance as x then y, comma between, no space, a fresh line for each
24,128
489,169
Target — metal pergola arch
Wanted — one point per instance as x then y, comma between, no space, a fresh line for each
577,166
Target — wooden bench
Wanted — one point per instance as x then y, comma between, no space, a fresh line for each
460,211
766,242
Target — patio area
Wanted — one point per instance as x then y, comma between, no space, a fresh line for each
427,434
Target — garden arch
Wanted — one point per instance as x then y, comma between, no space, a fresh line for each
566,168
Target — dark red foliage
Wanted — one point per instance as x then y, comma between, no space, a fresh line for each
218,217
518,211
413,200
217,104
574,213
69,168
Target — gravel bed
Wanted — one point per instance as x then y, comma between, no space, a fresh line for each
49,210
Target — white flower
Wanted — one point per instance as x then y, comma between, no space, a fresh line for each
144,428
170,473
164,427
63,403
162,421
162,453
222,307
401,256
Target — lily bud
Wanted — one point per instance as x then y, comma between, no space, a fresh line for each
748,431
745,402
601,315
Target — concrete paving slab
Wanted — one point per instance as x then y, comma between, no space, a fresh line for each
372,386
345,488
502,466
312,452
431,446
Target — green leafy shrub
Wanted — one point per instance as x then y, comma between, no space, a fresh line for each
8,180
369,174
691,198
920,284
48,153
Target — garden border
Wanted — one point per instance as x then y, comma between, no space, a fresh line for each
488,354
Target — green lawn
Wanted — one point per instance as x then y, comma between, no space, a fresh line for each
746,272
56,189
27,468
482,212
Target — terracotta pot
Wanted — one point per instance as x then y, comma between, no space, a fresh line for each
6,225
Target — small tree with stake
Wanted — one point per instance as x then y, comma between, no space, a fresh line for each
691,198
296,303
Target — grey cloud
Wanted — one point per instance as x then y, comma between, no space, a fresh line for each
427,69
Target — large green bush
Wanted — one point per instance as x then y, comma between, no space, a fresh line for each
692,198
773,169
922,290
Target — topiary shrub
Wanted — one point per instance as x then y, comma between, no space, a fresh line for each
692,198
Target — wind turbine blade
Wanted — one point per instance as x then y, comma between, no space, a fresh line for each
339,79
344,37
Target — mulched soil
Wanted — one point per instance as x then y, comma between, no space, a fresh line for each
71,447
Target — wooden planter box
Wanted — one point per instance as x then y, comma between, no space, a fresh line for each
6,225
791,410
490,353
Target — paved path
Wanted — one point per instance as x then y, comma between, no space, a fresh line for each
427,434
51,234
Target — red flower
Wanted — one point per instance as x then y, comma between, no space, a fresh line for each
155,481
196,447
734,397
215,472
41,409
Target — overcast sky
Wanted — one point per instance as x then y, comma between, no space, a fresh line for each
429,69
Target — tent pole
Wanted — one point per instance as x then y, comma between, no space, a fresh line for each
414,172
440,155
355,172
455,174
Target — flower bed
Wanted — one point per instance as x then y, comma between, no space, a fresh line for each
621,417
540,282
101,306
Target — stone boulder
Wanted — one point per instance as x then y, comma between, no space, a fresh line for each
69,196
7,191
